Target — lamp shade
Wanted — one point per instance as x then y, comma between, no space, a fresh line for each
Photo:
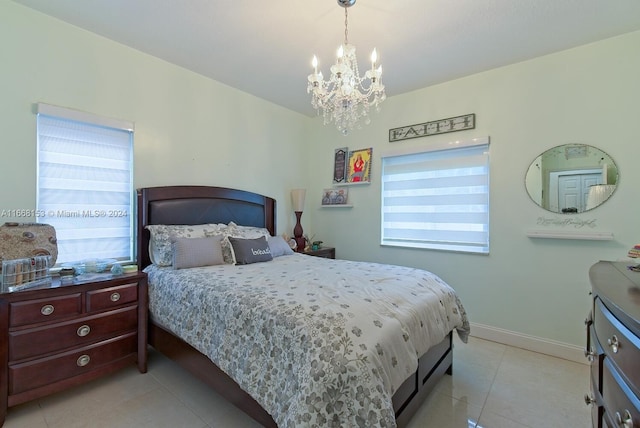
598,194
297,199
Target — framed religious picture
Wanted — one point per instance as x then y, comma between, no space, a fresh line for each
359,166
340,165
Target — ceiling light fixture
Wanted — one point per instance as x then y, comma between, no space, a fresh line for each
346,97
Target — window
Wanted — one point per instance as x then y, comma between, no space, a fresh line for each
85,183
438,199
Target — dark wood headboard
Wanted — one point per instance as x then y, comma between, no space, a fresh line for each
199,205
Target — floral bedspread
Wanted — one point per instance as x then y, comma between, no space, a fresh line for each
317,342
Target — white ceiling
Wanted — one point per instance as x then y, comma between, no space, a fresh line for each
265,47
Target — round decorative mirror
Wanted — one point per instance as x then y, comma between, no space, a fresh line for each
571,178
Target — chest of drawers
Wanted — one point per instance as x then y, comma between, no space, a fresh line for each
613,346
58,336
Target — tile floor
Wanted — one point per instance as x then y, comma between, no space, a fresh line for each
493,386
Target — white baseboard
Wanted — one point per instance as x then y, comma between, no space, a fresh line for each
531,343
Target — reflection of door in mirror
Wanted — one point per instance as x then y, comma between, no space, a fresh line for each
570,178
568,190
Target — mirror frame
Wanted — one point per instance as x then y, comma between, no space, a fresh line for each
587,171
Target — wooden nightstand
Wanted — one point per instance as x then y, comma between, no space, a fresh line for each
57,336
326,252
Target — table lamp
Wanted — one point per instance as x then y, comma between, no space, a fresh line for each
297,200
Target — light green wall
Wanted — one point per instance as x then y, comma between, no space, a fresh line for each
189,129
536,287
192,130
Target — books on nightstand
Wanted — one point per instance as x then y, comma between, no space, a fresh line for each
634,252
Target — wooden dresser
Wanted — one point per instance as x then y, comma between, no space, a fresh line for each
613,346
61,335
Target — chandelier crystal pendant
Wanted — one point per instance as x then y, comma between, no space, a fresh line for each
346,97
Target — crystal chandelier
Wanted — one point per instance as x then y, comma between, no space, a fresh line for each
346,97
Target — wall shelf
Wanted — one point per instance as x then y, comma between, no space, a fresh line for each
570,234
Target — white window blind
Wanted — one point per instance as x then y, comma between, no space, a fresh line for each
85,184
437,199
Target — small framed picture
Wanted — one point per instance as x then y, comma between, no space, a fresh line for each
359,166
335,196
575,151
340,165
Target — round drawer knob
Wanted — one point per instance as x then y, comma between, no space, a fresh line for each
47,310
614,343
83,360
625,421
115,297
83,330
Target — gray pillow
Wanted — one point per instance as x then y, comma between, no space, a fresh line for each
163,236
279,246
246,251
196,252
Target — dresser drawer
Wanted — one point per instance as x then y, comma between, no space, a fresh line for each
107,298
44,310
56,337
37,373
621,404
595,356
596,406
619,344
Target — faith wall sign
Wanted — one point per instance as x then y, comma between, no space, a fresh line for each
442,126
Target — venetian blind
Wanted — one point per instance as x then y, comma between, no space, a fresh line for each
85,183
437,199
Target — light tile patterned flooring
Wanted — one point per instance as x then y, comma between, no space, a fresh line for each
493,386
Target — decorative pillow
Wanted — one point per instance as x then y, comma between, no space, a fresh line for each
279,246
162,236
195,252
244,232
247,251
247,231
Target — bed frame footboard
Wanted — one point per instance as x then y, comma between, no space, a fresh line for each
202,368
432,366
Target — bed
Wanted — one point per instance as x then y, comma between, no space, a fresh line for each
365,386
